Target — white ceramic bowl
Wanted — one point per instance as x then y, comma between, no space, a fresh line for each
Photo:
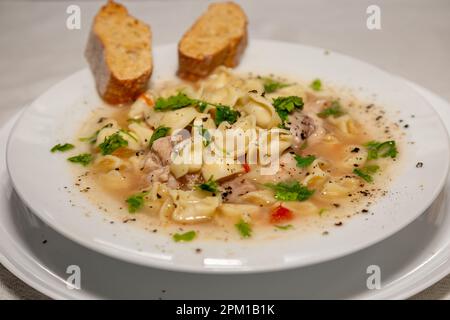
40,177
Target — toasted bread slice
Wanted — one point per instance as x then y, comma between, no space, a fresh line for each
218,37
119,54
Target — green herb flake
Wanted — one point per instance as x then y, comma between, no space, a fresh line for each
178,101
210,186
244,228
316,85
225,113
303,162
184,237
285,105
335,111
83,159
286,227
271,85
112,143
206,137
159,132
290,191
136,201
322,211
377,149
93,138
366,172
62,147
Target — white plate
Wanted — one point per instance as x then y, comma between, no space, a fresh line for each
410,261
40,177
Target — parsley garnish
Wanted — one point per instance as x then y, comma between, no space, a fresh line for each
112,143
290,191
366,172
160,132
286,227
83,159
184,237
206,137
92,139
244,228
381,149
271,85
136,201
225,113
335,111
303,162
316,85
285,105
210,186
179,101
62,147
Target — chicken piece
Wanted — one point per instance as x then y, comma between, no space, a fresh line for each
233,189
305,126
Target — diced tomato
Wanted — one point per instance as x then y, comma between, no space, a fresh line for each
246,167
148,99
281,214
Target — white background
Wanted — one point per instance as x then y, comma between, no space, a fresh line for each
37,50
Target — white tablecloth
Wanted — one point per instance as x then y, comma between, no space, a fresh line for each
37,50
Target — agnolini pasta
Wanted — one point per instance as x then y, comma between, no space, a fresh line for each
236,152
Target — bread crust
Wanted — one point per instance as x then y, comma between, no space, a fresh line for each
112,89
192,69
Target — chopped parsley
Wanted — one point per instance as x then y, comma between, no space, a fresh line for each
62,147
210,186
225,113
160,132
93,139
112,143
303,162
377,149
184,237
179,101
83,159
136,201
271,85
290,191
316,85
285,105
286,227
206,137
244,228
335,110
126,132
366,172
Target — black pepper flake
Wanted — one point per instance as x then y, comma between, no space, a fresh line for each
378,118
406,126
419,165
198,250
44,241
355,150
365,210
338,224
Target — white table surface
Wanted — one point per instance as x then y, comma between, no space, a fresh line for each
37,50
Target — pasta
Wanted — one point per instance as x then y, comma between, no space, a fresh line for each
237,150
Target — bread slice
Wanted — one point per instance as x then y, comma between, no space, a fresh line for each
119,54
218,37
